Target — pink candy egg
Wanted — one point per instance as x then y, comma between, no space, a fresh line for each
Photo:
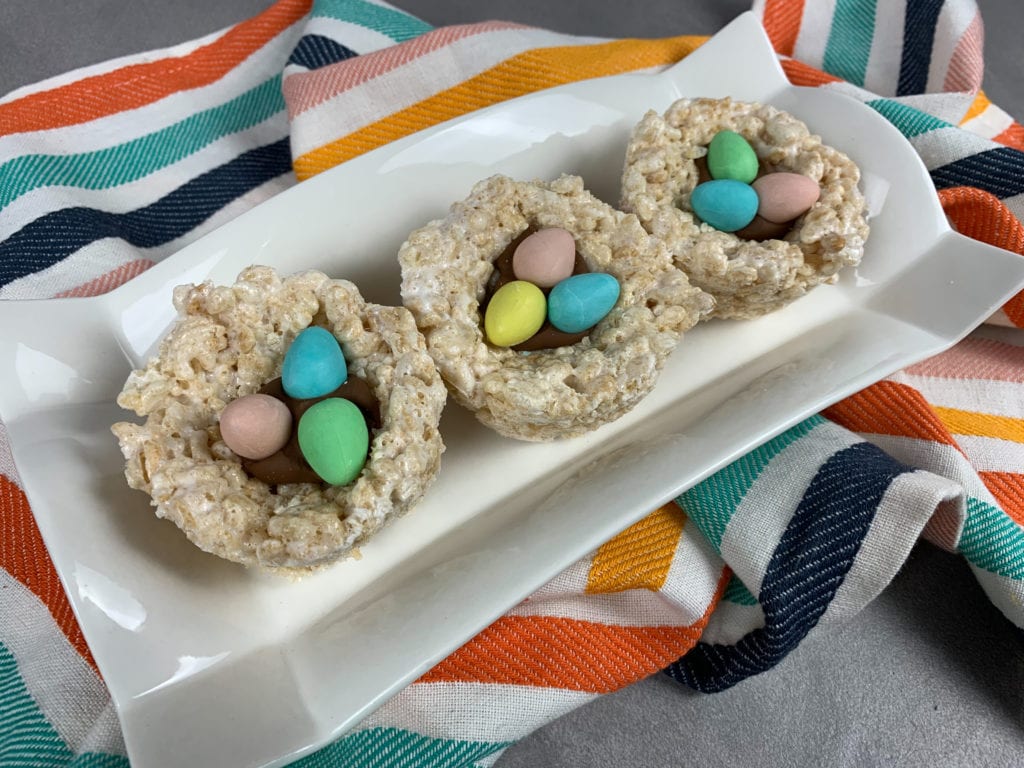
784,196
256,426
545,258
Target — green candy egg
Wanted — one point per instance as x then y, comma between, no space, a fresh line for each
334,440
730,156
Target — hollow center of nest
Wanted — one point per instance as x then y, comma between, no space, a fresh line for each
542,295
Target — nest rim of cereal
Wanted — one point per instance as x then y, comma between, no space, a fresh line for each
747,278
555,393
177,456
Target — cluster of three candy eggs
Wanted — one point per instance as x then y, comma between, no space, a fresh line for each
736,195
332,433
545,261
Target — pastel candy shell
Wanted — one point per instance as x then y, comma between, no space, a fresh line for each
515,313
784,196
545,257
730,156
255,426
334,440
314,364
582,301
725,204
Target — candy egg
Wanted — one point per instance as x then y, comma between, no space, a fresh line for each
784,196
730,156
314,364
545,257
725,204
516,312
581,301
334,440
255,426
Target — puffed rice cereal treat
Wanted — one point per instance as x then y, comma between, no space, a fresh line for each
449,265
748,274
227,344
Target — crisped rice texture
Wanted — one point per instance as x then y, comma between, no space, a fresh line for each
747,278
228,342
562,392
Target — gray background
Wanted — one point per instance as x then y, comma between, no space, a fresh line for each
928,675
39,38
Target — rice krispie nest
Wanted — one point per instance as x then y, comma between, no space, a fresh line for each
747,278
228,342
555,393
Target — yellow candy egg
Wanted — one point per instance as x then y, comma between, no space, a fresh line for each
515,313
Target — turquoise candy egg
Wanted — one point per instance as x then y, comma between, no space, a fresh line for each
314,365
334,440
730,156
581,301
725,204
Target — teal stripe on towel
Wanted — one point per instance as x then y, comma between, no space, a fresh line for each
992,540
712,502
26,737
397,748
736,592
910,122
132,160
392,23
849,40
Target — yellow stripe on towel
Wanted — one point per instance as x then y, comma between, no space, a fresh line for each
981,424
640,556
979,105
524,73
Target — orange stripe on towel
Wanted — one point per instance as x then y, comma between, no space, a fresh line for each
136,85
983,216
804,74
524,73
24,556
1012,137
1008,490
554,652
781,20
890,408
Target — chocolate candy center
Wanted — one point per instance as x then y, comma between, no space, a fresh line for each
548,337
288,465
760,229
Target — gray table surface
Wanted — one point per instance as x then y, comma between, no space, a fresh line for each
930,674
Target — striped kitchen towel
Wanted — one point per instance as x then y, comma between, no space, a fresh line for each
107,170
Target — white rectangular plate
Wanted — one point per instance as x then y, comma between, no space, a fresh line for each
211,664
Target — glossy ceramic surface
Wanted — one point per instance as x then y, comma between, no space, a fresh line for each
211,664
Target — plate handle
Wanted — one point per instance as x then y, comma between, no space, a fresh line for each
954,288
739,60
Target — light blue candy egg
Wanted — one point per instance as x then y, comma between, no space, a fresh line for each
314,364
725,204
581,301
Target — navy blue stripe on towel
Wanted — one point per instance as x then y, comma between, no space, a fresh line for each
999,171
315,51
55,236
918,39
812,559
